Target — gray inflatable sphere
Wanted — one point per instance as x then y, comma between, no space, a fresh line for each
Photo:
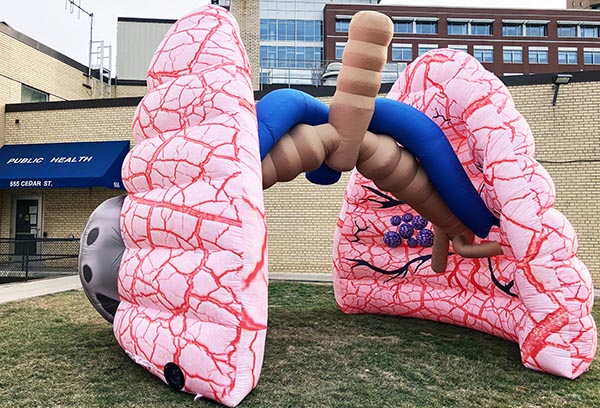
100,254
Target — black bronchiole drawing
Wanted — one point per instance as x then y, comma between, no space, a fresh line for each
439,115
504,288
395,273
403,271
358,231
386,202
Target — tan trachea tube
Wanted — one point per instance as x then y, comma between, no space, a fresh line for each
358,83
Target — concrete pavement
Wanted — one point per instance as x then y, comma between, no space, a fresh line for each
24,290
11,292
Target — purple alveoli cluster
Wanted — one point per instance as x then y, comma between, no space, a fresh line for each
410,229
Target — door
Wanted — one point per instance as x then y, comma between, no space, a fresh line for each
27,225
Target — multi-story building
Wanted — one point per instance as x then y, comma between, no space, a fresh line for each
506,42
300,216
291,40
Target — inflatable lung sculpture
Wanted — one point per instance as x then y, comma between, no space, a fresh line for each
192,283
535,291
193,280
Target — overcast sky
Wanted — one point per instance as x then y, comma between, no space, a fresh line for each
63,28
60,26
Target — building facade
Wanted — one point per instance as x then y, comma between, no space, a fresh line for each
301,217
506,42
291,40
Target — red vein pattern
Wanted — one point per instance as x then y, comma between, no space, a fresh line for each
193,280
550,316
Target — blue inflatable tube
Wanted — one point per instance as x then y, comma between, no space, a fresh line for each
279,111
425,140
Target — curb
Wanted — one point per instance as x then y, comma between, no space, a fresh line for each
11,292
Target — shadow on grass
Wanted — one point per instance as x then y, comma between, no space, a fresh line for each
56,351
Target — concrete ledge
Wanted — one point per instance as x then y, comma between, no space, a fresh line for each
24,290
18,291
300,277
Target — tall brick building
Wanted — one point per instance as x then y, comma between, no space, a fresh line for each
505,41
301,217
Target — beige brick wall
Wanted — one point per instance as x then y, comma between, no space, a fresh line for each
247,13
126,91
568,146
23,64
82,125
65,210
301,217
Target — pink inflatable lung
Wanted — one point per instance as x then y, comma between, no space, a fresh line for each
193,277
193,281
538,293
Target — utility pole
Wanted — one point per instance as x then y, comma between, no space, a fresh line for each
71,5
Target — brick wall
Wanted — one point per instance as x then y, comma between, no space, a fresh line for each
568,146
247,13
301,217
126,91
82,125
22,63
65,210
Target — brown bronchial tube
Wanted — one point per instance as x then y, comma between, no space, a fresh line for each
303,148
344,143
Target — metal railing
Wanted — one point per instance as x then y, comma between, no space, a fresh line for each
313,72
37,258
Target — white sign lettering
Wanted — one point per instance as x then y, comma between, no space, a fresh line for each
30,183
25,160
54,160
74,159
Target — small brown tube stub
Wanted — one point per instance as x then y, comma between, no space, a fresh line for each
481,250
439,254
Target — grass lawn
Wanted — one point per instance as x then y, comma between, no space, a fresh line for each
56,351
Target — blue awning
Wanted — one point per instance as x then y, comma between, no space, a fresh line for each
60,165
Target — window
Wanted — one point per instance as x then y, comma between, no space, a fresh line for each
512,29
512,55
423,48
265,77
268,29
290,30
419,25
459,47
458,28
402,52
426,27
567,55
339,50
536,30
290,57
591,56
483,53
538,55
567,30
268,56
481,28
29,94
589,31
403,27
342,25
